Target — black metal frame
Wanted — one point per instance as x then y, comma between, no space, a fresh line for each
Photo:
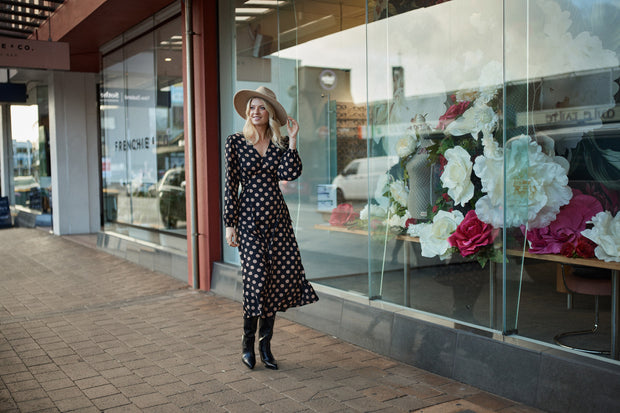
21,18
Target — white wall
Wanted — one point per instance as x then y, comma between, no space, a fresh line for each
74,152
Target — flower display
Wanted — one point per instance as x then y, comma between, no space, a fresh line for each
480,185
585,248
434,236
406,146
472,235
566,228
456,176
396,220
532,201
452,113
372,211
399,192
606,234
478,118
343,214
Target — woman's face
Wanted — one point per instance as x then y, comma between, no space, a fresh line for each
258,113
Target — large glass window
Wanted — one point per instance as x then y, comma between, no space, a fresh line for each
454,151
30,142
143,160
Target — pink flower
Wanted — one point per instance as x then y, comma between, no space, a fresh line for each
472,234
342,214
567,227
452,113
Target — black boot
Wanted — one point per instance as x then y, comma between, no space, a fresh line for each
247,342
265,332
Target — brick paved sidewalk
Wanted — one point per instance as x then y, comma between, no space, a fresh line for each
84,331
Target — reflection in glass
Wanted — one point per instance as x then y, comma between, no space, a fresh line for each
142,132
30,142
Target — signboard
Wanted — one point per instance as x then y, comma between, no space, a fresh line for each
326,197
570,116
34,54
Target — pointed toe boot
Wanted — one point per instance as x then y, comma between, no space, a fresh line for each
265,332
247,342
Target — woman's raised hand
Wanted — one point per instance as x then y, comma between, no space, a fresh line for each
292,127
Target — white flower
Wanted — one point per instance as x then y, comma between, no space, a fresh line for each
372,211
399,192
478,118
457,175
398,221
537,185
406,146
415,230
434,237
605,233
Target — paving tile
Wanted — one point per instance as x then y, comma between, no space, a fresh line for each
35,405
109,402
149,400
135,390
65,393
100,391
75,403
91,382
455,406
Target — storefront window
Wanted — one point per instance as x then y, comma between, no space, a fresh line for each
30,142
142,132
451,149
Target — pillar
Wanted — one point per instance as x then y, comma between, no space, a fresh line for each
74,149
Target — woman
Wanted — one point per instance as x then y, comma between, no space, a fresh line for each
257,219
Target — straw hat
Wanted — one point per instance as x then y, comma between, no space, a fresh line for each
241,100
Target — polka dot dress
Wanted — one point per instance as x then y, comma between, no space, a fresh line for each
273,276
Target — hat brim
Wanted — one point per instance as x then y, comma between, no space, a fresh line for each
241,100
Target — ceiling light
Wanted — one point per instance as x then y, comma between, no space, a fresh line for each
265,3
167,59
252,10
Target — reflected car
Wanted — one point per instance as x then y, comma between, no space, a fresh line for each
171,193
352,182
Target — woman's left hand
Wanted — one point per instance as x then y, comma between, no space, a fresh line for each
292,127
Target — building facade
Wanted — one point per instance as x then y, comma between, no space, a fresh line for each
458,208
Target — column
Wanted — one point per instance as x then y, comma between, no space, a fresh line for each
74,149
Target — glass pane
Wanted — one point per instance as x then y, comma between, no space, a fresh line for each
142,132
140,100
171,182
562,153
435,96
31,186
114,160
292,49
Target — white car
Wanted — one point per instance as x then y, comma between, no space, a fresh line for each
352,182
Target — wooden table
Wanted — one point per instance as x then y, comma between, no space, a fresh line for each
588,262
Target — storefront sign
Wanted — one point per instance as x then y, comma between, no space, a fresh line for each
34,54
584,114
134,97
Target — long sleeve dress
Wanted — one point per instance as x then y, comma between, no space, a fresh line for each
273,275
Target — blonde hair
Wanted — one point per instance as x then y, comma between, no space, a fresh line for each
273,131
